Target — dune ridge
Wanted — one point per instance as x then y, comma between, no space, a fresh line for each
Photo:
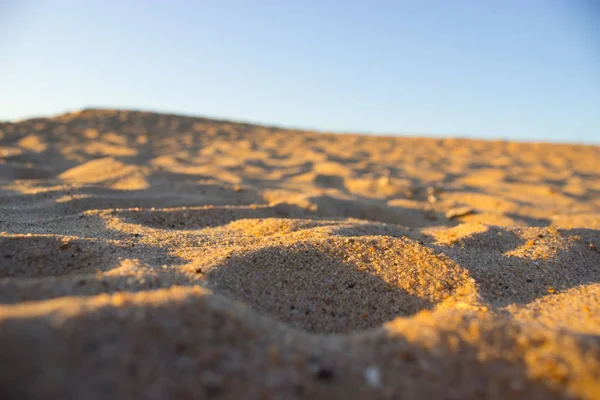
147,255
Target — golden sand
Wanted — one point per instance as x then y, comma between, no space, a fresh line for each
165,257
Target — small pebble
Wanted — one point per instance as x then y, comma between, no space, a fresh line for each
373,377
459,212
325,374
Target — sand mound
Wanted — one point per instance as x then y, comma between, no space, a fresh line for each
340,286
157,256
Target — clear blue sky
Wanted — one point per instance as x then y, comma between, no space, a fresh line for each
518,69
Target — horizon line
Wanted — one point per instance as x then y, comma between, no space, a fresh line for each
228,119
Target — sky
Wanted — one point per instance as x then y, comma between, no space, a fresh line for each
512,69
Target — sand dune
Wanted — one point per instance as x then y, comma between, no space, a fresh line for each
159,256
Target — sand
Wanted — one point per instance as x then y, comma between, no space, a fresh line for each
160,256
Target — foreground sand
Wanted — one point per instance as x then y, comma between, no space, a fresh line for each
165,257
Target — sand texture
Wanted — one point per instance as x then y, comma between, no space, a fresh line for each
159,256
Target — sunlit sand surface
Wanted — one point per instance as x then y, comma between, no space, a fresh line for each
158,256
